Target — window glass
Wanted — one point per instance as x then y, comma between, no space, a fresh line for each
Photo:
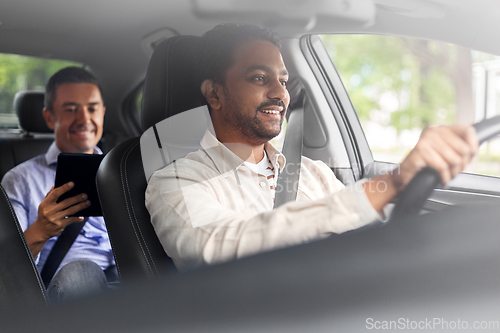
399,85
18,73
136,108
138,102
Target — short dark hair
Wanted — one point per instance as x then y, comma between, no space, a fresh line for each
219,45
66,75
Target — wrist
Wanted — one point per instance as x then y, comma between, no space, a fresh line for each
395,180
35,239
381,190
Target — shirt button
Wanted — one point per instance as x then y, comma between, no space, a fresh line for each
262,184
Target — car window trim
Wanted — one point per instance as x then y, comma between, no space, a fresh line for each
355,142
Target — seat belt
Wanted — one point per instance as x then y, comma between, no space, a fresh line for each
60,249
288,179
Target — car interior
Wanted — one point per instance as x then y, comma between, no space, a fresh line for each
437,257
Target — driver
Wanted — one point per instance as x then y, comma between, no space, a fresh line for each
216,204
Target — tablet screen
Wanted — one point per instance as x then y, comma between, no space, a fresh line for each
81,169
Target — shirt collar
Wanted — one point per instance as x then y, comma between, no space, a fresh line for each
275,156
226,161
54,151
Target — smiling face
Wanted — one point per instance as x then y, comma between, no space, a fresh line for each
77,117
252,104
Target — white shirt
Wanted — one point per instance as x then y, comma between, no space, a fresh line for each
209,207
265,168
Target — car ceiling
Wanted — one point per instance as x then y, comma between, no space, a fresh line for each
85,30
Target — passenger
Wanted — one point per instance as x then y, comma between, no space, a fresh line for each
74,110
216,204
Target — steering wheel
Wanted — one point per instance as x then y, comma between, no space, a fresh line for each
426,180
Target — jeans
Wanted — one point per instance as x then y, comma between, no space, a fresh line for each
76,279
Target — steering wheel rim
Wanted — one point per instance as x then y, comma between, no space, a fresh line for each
426,180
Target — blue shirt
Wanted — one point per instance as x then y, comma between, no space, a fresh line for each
28,183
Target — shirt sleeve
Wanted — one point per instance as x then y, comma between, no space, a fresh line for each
13,185
233,234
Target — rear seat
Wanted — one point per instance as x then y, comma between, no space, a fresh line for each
35,138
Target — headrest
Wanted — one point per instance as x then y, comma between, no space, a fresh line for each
171,84
173,138
29,106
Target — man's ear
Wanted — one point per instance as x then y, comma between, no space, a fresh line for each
209,89
49,118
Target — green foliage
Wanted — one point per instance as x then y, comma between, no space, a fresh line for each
408,81
19,73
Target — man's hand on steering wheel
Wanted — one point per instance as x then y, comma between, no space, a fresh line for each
448,149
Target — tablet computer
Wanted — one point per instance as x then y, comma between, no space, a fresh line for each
80,169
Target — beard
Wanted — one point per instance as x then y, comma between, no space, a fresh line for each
252,127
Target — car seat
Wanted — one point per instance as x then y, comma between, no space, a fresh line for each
170,87
35,138
20,282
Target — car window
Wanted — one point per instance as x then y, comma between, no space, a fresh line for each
400,85
135,108
138,102
19,73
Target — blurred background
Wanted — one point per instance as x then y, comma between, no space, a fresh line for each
398,86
